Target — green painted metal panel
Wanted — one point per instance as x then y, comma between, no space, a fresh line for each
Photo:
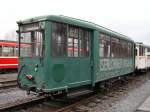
58,72
109,68
30,68
94,56
63,73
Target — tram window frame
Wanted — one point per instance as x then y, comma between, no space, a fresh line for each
35,41
75,42
8,51
122,53
136,52
56,42
73,45
16,51
84,42
141,50
115,50
130,50
1,54
148,49
104,45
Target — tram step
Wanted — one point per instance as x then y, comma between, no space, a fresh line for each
79,93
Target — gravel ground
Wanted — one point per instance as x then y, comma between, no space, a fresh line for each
128,102
121,98
11,96
126,98
8,90
7,77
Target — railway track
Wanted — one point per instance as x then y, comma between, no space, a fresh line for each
69,107
54,106
19,104
81,104
87,103
8,84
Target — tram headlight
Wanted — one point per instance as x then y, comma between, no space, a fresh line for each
29,77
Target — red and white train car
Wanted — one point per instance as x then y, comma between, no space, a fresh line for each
142,58
8,55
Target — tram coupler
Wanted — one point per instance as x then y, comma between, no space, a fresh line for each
28,92
31,89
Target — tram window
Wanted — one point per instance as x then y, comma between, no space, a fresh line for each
136,52
148,50
129,50
8,51
16,51
115,46
125,50
68,40
26,45
104,46
84,42
59,34
38,44
141,51
73,42
0,50
31,44
122,50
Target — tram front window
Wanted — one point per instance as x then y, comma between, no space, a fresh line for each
31,43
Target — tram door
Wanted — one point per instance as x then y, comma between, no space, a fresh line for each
71,54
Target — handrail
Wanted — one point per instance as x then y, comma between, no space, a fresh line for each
19,75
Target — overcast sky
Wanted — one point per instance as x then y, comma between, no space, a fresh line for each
129,17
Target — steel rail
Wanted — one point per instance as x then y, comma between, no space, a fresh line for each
8,83
19,104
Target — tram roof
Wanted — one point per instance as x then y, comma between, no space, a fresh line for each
74,21
142,44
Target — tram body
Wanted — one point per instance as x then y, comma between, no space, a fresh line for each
142,59
64,53
8,55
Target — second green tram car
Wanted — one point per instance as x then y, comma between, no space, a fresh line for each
59,53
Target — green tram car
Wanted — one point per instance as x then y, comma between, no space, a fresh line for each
59,54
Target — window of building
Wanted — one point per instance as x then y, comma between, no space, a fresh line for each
104,46
59,35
